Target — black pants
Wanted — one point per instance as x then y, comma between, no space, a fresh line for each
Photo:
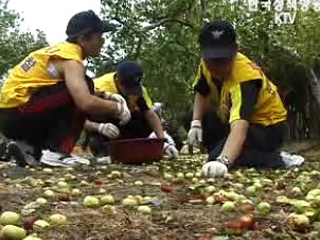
137,127
261,147
49,120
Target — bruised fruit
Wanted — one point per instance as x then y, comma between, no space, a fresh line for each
28,222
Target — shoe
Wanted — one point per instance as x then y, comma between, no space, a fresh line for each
9,149
55,159
104,160
291,160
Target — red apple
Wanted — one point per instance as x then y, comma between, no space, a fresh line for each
64,197
99,181
248,221
235,227
28,222
166,188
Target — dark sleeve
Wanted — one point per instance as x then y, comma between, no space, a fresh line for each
201,86
244,98
142,104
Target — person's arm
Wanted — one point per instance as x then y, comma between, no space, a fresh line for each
244,98
74,75
202,97
201,103
237,136
91,126
154,122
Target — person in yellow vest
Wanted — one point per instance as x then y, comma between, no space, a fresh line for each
47,97
238,114
144,122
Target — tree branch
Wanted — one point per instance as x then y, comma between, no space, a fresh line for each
138,49
153,26
166,20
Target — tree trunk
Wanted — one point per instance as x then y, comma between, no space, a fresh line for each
315,86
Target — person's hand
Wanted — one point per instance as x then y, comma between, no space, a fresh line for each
171,151
195,133
124,113
113,97
169,147
118,98
109,130
214,169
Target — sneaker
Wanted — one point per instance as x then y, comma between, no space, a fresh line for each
27,151
55,159
104,160
10,149
291,160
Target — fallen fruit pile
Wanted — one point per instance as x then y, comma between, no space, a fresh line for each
248,201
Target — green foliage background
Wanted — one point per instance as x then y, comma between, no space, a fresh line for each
162,35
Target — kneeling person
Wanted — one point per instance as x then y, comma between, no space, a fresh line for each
245,126
124,85
47,97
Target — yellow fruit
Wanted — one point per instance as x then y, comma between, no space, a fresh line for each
91,202
228,206
264,207
9,218
42,201
108,199
282,199
40,225
129,202
210,189
62,185
180,175
189,175
58,219
252,190
144,209
49,193
108,209
76,192
11,232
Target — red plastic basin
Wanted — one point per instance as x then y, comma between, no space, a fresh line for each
136,151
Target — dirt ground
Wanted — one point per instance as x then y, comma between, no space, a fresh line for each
180,208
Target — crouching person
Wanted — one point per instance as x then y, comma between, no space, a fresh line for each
47,97
246,125
125,86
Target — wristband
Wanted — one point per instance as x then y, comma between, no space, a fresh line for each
223,159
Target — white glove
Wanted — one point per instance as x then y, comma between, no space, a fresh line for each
170,150
114,97
169,147
195,133
124,113
109,130
214,169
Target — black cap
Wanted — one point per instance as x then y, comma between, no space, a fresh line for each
218,41
130,75
87,22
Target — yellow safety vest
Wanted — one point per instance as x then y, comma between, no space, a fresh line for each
106,83
269,108
32,73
